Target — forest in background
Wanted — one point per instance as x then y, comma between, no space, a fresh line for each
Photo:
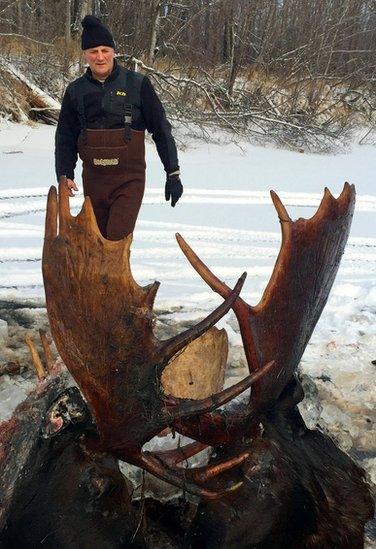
294,72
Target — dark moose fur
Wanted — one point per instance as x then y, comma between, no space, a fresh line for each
54,492
299,491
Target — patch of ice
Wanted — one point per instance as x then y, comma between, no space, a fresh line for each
12,393
349,290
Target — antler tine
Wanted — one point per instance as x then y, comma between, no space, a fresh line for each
170,347
240,307
185,407
331,207
206,274
348,194
283,215
153,464
328,193
151,290
177,455
347,188
51,214
202,475
198,475
327,202
280,207
87,217
64,210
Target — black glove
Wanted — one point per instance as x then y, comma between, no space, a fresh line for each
173,189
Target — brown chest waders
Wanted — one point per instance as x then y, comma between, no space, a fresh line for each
113,175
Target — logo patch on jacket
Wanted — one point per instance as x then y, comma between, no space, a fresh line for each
106,161
121,92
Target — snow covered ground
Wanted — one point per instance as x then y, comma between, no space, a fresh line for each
227,216
225,213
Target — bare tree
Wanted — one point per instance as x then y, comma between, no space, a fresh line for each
68,23
80,9
155,15
97,5
291,69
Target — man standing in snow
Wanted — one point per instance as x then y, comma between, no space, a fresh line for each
103,118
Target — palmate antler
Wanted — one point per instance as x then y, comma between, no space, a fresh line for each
280,326
102,324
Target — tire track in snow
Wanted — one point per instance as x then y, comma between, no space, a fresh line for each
20,266
156,255
171,251
12,201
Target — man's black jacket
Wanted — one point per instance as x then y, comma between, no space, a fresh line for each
103,105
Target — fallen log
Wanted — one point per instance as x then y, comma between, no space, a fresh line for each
23,99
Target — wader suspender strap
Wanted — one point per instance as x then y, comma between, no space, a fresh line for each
127,114
127,122
81,116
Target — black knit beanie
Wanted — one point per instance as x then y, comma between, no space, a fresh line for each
95,34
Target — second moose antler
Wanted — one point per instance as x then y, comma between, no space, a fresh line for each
298,489
102,324
280,326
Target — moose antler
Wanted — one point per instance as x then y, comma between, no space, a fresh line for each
102,324
280,326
